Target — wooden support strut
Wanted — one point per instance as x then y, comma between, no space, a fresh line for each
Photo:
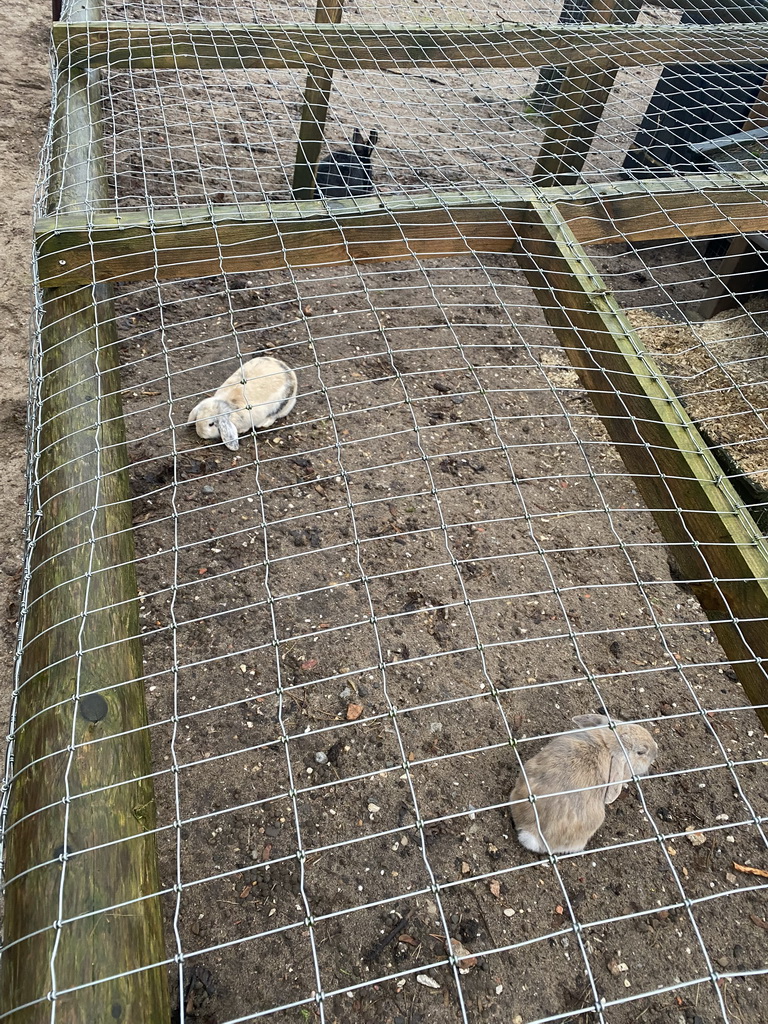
577,109
315,111
198,241
120,44
715,542
81,879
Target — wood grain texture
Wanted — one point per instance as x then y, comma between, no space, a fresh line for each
578,107
81,865
368,47
194,241
696,206
714,540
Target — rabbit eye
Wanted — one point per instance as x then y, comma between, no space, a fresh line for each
642,751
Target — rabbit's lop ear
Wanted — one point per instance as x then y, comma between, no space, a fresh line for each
618,773
590,721
228,432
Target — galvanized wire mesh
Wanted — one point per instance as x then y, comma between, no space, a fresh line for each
358,627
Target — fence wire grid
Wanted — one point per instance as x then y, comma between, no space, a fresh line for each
358,627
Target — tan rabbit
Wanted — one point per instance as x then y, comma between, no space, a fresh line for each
257,394
591,758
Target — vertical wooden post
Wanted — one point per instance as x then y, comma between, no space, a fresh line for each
316,98
758,115
550,79
81,902
578,108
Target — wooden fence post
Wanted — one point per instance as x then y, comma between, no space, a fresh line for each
313,115
577,109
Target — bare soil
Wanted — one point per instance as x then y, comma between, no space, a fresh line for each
24,108
442,540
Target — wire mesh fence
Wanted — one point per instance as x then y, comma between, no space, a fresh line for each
358,626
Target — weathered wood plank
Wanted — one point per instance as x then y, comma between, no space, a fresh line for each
715,542
577,108
696,206
288,234
368,47
315,111
195,241
80,787
573,12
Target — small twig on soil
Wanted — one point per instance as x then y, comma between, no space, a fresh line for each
375,952
406,74
749,870
410,1012
488,931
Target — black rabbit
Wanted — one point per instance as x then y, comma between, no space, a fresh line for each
344,175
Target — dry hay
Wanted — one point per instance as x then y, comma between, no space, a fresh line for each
719,370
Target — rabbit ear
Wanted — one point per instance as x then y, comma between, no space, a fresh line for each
357,138
618,774
373,138
590,721
228,432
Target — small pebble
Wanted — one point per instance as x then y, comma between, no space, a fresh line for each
424,979
321,757
693,837
207,489
374,808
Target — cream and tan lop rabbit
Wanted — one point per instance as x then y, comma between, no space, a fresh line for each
593,757
260,392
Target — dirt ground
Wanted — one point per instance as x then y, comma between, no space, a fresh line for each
357,626
442,532
24,109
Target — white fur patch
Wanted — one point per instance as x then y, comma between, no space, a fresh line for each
530,841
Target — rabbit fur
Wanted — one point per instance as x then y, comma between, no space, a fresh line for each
344,175
255,395
593,757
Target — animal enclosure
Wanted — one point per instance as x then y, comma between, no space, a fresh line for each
271,702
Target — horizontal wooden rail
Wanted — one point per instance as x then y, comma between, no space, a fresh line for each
200,241
368,47
715,542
